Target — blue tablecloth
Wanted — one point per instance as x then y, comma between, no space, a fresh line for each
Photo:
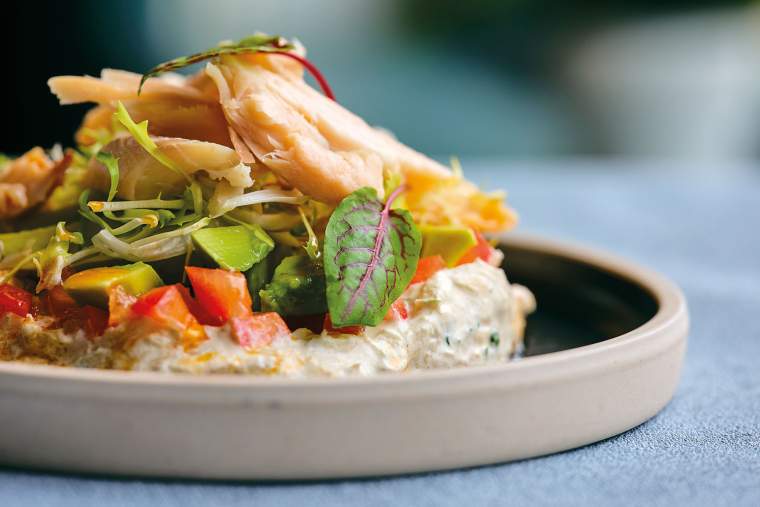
700,226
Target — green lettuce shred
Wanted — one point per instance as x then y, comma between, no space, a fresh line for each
140,132
112,166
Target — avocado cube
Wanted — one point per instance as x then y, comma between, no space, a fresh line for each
297,288
258,276
91,286
237,247
448,241
31,239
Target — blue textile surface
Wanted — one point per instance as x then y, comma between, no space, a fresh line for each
698,225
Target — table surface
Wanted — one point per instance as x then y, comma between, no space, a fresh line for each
700,226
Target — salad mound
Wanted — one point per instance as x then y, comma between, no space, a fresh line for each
235,205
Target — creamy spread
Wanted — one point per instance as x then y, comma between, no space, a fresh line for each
467,315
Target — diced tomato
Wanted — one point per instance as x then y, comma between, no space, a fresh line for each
328,326
72,317
167,306
482,250
39,307
201,313
221,294
427,267
119,305
397,311
59,304
95,320
258,329
154,303
15,300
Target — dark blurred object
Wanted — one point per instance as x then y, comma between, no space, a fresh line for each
672,79
524,33
44,39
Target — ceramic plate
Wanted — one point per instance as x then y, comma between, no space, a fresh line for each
603,354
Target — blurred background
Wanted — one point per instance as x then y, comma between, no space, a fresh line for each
484,78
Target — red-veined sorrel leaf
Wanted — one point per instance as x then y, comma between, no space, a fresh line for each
259,43
371,254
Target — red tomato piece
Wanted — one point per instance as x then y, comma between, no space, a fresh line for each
15,300
60,305
163,303
39,306
95,320
482,250
167,306
427,267
258,329
397,311
200,313
119,305
221,294
328,326
72,317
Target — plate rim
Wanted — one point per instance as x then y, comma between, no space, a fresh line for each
671,315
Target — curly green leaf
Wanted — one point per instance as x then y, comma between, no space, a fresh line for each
112,166
140,133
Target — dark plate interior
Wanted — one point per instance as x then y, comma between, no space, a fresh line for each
578,303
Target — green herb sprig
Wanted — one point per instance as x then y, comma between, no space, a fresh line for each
258,43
